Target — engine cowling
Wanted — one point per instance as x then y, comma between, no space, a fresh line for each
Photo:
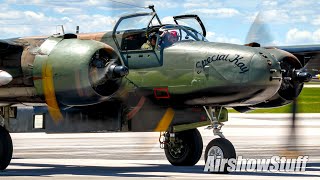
77,72
289,63
292,81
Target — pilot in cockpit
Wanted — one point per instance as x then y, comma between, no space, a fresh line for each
151,42
168,38
173,37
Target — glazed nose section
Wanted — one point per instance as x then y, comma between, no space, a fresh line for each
265,70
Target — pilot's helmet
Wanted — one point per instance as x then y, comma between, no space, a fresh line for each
174,33
174,36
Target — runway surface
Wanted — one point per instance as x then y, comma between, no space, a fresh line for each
136,155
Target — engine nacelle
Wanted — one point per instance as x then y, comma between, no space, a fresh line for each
76,72
285,95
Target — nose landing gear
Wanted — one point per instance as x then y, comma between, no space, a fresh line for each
184,148
220,147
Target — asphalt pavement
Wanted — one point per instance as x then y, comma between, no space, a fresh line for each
136,155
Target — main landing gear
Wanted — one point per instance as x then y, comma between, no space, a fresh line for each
6,148
184,148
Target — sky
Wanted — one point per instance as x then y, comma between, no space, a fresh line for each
284,22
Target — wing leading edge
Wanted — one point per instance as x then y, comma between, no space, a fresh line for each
308,55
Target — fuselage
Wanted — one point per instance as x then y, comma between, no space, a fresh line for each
188,73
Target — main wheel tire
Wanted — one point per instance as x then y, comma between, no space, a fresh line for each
6,148
186,150
220,147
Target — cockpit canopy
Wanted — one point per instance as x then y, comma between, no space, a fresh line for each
184,33
132,31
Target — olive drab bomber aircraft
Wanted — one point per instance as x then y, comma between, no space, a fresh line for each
181,82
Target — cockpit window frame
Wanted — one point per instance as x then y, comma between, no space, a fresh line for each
187,29
191,16
115,29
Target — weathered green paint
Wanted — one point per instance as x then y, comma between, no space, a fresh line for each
184,127
39,63
183,74
196,72
70,70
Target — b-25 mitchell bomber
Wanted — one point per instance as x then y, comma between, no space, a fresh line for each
180,82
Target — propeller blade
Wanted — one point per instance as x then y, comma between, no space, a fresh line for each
313,65
259,32
49,94
259,35
292,136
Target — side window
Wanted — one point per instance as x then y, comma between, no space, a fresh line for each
139,41
132,41
186,37
150,42
198,35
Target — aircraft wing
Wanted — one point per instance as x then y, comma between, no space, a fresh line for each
307,54
7,46
3,45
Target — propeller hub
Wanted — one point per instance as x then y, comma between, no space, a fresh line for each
303,76
117,71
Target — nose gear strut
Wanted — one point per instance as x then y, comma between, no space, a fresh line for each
218,147
216,124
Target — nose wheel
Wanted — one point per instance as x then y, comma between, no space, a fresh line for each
219,148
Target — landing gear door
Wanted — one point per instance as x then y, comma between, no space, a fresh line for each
192,21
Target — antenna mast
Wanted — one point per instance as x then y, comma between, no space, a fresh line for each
152,8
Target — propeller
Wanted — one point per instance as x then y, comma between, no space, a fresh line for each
293,78
259,32
105,74
49,94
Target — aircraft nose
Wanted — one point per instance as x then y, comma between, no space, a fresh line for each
265,70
